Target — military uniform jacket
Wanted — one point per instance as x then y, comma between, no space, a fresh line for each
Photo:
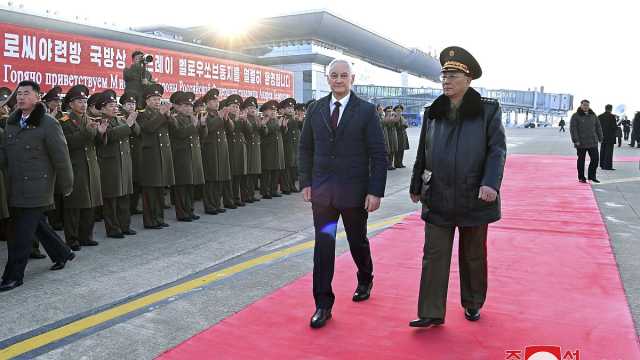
135,144
157,159
291,142
81,140
114,154
273,147
4,209
253,133
401,130
133,77
35,159
393,136
187,152
215,150
238,153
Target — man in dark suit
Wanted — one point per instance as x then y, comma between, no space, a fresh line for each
343,171
609,125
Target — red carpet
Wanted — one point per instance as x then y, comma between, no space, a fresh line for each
553,280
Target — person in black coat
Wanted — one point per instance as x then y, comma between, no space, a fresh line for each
635,130
457,176
343,172
609,125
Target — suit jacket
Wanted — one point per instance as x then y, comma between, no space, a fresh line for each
344,165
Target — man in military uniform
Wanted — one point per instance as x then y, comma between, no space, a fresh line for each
272,151
36,158
403,139
114,154
215,158
187,155
157,160
128,107
238,148
392,131
81,133
53,104
461,194
137,78
254,129
290,139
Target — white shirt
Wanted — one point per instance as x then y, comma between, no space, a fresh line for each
343,104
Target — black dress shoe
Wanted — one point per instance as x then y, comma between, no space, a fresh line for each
116,236
164,224
37,255
61,264
267,197
255,199
241,204
195,217
186,220
155,227
472,314
57,227
277,195
89,243
426,322
231,207
249,201
75,247
129,232
9,285
582,180
595,180
363,291
287,192
212,212
320,317
221,211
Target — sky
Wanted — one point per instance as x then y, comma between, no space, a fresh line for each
587,48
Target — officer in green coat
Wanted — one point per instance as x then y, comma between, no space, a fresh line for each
187,154
114,155
403,139
238,147
128,109
137,78
81,132
157,160
272,151
53,103
290,139
253,130
215,158
390,124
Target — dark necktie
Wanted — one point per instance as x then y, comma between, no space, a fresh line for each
335,115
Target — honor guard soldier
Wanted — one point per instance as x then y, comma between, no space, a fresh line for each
403,139
114,154
36,158
53,102
291,140
254,130
392,130
215,158
157,160
238,147
128,102
82,132
272,151
187,155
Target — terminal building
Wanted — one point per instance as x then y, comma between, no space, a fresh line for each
387,73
